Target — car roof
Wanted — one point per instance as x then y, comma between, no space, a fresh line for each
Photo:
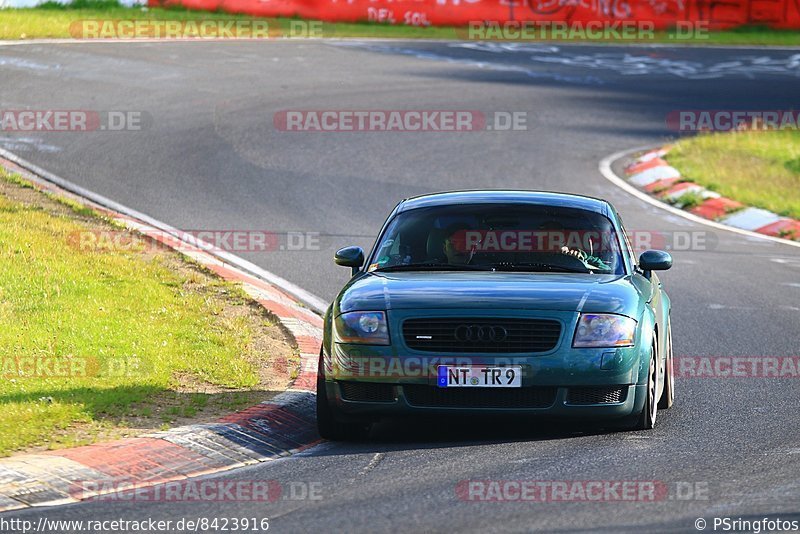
545,198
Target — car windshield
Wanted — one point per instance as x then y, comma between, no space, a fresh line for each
500,237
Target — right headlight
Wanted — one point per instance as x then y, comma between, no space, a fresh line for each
366,327
604,330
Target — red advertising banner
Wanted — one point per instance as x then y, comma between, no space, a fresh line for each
716,14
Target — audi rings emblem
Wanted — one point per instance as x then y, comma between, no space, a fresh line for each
481,332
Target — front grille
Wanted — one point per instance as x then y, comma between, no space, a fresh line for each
465,335
367,391
525,397
605,395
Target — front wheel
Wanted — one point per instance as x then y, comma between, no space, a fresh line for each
668,395
328,426
647,419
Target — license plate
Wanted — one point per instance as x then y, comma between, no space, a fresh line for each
478,376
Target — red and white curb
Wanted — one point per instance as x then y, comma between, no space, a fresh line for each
654,178
267,431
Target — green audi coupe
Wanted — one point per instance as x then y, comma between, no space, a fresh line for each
497,302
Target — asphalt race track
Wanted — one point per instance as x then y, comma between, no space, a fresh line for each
210,158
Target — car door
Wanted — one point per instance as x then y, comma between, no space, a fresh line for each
656,306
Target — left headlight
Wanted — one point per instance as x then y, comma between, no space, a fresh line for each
368,328
604,330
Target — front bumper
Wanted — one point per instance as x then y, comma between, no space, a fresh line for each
551,401
399,376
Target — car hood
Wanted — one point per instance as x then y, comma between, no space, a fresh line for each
474,290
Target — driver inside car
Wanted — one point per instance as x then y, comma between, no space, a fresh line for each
557,240
454,246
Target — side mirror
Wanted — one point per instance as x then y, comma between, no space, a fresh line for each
352,257
655,260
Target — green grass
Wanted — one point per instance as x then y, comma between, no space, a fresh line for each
54,20
757,168
131,320
689,200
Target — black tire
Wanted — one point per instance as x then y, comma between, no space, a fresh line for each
668,395
328,425
647,419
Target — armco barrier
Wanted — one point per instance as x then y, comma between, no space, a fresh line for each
716,14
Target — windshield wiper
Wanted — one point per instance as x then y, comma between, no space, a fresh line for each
434,267
531,266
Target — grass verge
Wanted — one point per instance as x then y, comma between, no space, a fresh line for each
757,168
101,342
57,21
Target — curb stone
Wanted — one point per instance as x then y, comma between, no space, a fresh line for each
652,174
270,430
